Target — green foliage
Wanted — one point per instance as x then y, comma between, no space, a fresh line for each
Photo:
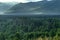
25,28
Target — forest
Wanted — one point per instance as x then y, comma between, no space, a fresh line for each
30,27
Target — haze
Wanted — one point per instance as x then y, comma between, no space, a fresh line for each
23,1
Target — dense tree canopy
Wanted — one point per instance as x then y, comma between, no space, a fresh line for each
29,28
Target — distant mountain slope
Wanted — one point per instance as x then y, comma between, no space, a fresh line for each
26,7
46,7
5,6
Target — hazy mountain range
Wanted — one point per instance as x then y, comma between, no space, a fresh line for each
41,7
5,6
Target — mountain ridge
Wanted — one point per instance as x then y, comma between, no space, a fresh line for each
45,7
5,6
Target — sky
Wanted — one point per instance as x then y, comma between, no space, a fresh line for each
23,1
19,0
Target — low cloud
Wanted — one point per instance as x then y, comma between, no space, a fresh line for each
19,0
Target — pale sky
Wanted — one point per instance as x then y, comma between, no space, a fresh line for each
19,0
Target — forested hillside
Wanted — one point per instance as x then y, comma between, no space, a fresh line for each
30,27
